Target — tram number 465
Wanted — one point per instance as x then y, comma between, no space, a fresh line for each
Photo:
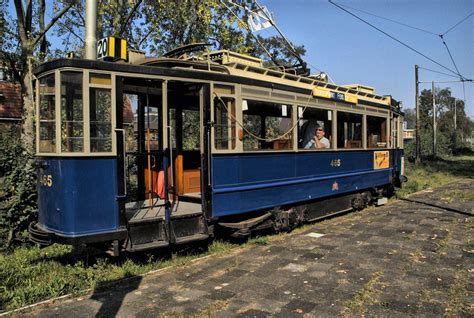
46,180
336,163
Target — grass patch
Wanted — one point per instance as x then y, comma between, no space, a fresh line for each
457,293
366,296
459,195
416,257
435,173
31,274
259,240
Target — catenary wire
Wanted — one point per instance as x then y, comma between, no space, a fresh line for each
427,69
392,37
459,81
457,24
391,20
451,56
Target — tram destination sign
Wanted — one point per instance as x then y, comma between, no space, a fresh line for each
112,49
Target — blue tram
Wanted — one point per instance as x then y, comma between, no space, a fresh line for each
154,152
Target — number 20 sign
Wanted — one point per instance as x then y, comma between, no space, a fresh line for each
112,49
102,48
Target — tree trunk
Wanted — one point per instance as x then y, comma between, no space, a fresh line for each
29,107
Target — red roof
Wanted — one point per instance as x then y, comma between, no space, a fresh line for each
10,100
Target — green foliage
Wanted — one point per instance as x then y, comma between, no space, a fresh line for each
434,173
448,139
17,190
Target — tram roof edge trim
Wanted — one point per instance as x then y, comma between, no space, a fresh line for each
177,68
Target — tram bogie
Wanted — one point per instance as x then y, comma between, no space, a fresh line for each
167,151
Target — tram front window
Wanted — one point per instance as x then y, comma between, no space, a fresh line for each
72,120
47,121
100,120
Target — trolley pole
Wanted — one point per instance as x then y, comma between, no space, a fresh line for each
434,118
91,30
417,128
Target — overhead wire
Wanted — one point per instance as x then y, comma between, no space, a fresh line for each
442,34
419,29
388,19
393,38
459,81
430,70
451,56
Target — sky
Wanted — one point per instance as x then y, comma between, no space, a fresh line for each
351,51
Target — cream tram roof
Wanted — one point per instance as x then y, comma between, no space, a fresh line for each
242,65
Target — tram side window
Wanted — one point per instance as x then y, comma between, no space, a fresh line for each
72,121
310,120
267,126
47,122
100,120
376,132
349,130
224,123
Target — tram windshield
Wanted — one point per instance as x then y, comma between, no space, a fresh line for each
73,119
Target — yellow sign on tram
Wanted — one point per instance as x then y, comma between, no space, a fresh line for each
381,159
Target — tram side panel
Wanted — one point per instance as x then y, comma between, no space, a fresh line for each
77,196
250,182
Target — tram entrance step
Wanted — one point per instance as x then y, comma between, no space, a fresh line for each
152,212
151,233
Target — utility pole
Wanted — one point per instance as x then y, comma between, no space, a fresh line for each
455,110
434,119
417,128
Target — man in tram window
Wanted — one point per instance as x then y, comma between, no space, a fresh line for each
318,141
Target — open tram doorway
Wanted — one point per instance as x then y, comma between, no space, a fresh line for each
185,120
143,139
163,119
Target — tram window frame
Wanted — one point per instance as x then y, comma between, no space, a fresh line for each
313,117
252,108
49,146
355,127
100,81
100,130
374,140
72,119
225,134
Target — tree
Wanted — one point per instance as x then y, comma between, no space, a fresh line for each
28,45
278,49
447,136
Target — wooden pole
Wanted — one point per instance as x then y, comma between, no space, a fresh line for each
417,128
434,118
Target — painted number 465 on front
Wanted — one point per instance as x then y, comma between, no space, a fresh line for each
46,180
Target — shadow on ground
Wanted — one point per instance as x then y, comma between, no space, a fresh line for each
112,300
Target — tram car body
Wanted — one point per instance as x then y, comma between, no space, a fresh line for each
160,151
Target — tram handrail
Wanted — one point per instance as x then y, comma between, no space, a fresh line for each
124,158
